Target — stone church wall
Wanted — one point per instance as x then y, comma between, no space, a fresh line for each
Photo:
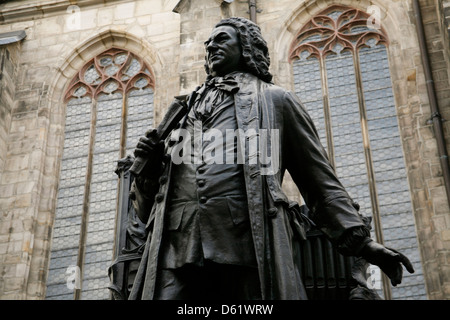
169,36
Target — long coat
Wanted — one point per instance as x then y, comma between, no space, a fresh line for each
260,105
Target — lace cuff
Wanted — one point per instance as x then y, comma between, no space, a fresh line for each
352,242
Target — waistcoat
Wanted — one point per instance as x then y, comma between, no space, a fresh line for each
207,216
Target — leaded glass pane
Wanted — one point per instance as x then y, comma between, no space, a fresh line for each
390,172
91,75
350,161
105,61
103,193
66,230
111,70
308,87
351,99
97,260
314,37
110,86
133,68
120,59
141,83
357,29
335,14
140,116
95,142
81,91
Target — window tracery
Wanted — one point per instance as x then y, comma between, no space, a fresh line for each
109,105
336,29
341,73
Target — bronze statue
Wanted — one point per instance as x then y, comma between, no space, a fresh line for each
218,223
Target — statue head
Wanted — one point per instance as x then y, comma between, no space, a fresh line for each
242,49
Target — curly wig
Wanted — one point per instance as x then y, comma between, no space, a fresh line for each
255,52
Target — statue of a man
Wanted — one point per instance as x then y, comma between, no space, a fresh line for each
219,225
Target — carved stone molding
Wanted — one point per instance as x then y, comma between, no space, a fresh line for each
111,71
27,10
337,25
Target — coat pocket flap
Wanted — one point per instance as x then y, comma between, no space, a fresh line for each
238,209
175,215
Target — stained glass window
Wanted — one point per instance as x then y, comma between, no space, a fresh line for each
341,74
109,106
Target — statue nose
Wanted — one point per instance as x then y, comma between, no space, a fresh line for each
211,47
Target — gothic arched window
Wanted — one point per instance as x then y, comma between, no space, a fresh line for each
341,74
109,106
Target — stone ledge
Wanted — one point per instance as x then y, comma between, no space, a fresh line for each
30,11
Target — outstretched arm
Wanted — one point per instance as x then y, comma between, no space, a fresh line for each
333,211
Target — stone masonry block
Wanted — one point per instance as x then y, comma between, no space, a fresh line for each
148,7
124,11
445,235
13,284
105,16
17,163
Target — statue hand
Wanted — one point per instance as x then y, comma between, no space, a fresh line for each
149,147
389,260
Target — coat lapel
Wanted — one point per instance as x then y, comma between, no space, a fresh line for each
271,233
247,116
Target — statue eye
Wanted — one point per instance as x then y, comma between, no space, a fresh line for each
221,38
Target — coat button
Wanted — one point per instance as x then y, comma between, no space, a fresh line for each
201,170
272,212
201,183
203,200
166,158
159,197
163,179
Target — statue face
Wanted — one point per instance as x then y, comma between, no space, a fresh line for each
223,51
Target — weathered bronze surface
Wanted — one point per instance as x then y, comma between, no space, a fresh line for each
217,222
